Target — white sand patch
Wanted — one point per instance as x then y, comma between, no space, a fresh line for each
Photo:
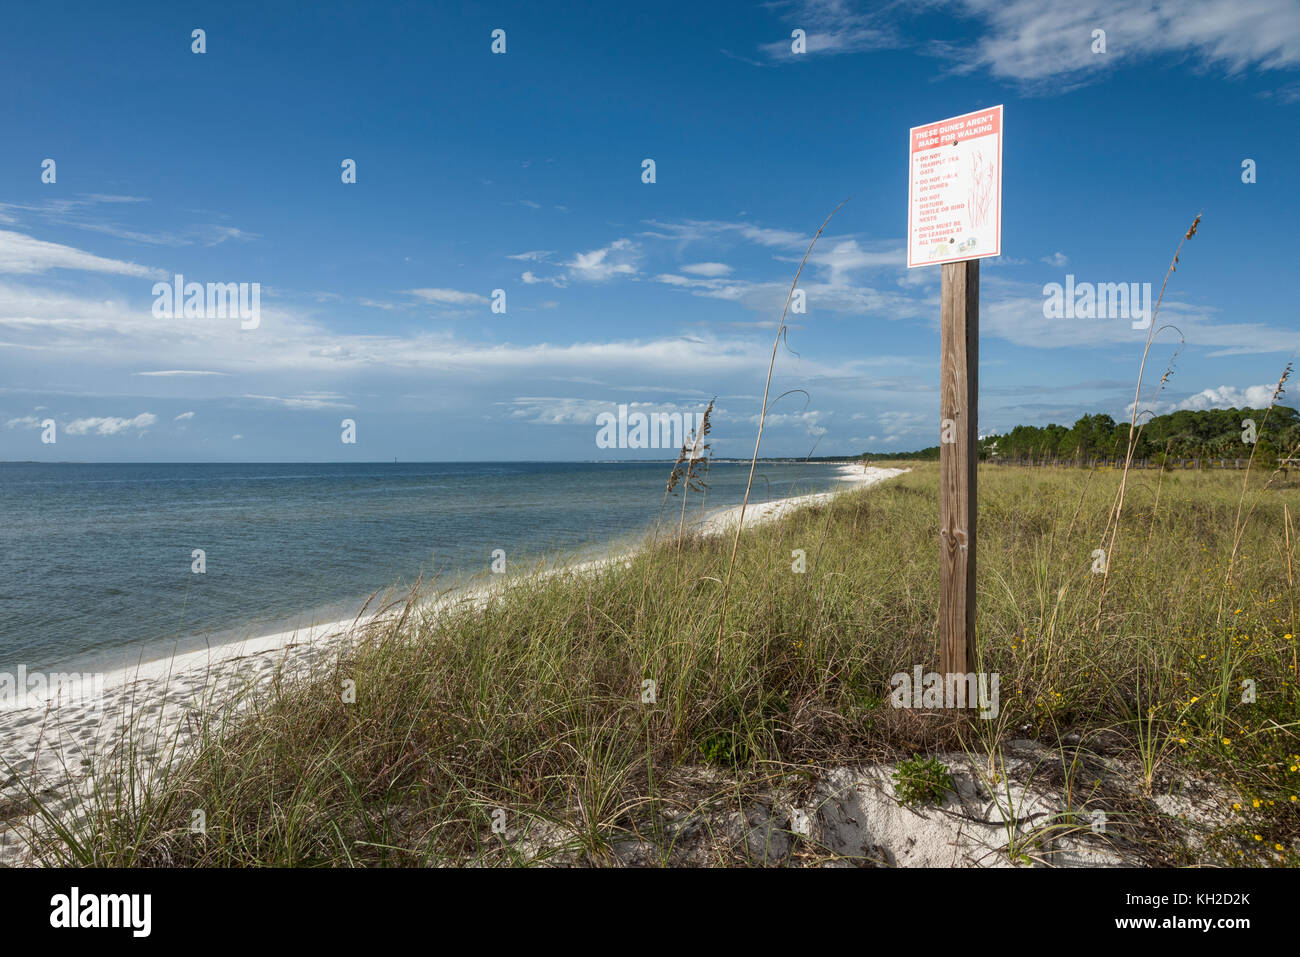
853,477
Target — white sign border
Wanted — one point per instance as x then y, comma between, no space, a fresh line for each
911,158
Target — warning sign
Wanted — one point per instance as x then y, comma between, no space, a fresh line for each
954,195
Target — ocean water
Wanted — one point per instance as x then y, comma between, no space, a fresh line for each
96,560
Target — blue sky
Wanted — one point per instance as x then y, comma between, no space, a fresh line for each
522,172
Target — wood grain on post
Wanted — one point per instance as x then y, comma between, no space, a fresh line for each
958,402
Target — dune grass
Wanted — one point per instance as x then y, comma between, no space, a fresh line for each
566,705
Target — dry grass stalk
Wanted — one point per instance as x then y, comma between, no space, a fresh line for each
1133,430
762,418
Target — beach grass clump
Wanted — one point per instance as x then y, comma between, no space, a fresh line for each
562,714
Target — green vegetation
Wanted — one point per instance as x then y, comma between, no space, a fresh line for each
920,781
535,709
1213,433
920,455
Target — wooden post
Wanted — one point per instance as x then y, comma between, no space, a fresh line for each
958,457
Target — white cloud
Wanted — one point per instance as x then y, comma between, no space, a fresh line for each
308,400
109,425
113,198
711,270
1057,259
67,331
616,259
1289,93
826,283
530,279
833,26
835,295
21,254
547,410
175,372
183,416
701,230
903,428
846,255
1013,311
533,255
448,297
1032,40
203,235
1050,41
809,419
1215,397
1229,397
73,211
672,279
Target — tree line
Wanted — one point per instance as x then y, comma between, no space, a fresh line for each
1186,434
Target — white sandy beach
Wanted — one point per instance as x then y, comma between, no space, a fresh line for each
854,476
49,749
